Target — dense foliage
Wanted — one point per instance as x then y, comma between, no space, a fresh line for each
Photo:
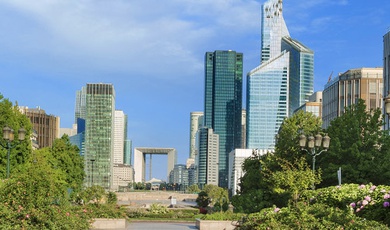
358,147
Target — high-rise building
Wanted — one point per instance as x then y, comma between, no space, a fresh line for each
119,136
128,153
386,75
347,88
282,82
301,73
223,103
47,127
236,159
196,121
99,134
207,159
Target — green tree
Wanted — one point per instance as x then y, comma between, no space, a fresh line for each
256,185
358,147
193,188
218,197
287,141
21,151
67,158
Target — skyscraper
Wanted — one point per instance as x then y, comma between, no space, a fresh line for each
99,134
282,82
223,103
386,75
196,121
207,159
119,136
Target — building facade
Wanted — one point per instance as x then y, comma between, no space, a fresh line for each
196,121
47,127
123,176
207,159
386,74
99,134
236,159
223,103
314,105
347,88
282,82
119,136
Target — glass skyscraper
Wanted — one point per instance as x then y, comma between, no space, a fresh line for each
282,82
99,134
223,103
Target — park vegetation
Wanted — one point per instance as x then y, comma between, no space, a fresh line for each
45,188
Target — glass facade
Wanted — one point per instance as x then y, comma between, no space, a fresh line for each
301,77
223,103
282,83
267,102
99,133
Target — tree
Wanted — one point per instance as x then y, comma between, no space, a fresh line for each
21,152
358,147
287,141
67,158
193,189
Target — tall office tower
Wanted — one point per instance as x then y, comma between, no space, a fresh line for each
128,153
282,82
301,70
47,127
119,136
243,129
196,121
223,103
99,134
207,159
80,107
345,90
386,74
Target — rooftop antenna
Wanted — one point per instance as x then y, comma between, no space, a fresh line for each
330,77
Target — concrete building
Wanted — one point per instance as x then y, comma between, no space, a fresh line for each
345,90
207,159
119,136
243,129
196,121
386,75
179,175
47,127
223,103
236,159
140,161
123,175
314,105
282,82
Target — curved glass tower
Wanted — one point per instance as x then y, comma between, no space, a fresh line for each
282,82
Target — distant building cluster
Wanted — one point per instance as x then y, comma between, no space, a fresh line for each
224,134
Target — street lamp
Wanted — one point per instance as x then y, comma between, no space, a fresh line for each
314,145
387,106
8,136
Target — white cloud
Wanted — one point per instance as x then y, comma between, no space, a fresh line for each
156,38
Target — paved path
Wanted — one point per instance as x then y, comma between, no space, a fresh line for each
161,226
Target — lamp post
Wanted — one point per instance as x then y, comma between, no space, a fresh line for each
8,136
92,161
387,108
314,146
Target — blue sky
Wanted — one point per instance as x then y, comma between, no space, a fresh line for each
153,50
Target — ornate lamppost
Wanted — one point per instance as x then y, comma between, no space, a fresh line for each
92,161
8,136
314,145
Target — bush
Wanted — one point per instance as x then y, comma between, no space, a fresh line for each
306,216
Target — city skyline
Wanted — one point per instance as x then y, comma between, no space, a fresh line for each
154,55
